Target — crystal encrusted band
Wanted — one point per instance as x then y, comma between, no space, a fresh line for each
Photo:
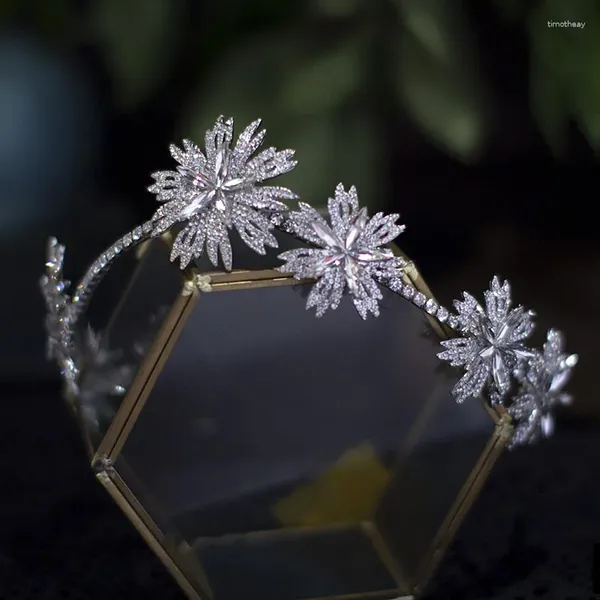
221,188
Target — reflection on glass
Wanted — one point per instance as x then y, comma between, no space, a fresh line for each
246,259
114,355
277,445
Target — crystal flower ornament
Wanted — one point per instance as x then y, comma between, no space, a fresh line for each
216,190
542,381
59,311
349,254
344,251
492,342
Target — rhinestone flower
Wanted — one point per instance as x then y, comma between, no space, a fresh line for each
54,289
492,342
542,380
215,191
349,253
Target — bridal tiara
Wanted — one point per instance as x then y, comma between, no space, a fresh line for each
223,187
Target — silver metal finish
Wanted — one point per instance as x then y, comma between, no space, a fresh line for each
221,188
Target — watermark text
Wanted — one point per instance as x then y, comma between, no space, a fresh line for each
574,24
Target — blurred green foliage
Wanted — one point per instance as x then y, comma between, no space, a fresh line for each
438,79
564,68
138,39
309,97
331,76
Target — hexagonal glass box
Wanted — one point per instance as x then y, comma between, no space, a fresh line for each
267,454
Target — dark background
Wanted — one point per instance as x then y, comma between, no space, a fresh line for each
475,120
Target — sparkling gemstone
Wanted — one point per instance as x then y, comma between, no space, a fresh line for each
431,306
442,315
419,299
408,291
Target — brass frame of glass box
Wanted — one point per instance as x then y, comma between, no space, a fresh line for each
172,552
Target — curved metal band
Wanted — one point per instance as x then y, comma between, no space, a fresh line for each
96,271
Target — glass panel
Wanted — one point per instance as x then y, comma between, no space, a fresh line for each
246,259
152,287
425,485
274,442
294,565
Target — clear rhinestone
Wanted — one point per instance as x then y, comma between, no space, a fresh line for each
431,306
408,291
277,219
395,285
442,315
419,299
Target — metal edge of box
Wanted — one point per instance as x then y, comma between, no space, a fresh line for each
460,508
136,396
154,539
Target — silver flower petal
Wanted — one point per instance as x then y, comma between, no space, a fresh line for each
542,380
327,292
349,254
59,310
492,343
216,190
472,382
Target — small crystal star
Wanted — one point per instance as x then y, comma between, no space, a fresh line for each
349,254
54,290
492,344
542,380
217,190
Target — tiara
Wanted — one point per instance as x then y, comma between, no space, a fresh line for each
345,254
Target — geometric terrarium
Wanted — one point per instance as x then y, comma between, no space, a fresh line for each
265,453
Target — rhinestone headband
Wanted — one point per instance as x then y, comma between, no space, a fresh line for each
222,188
